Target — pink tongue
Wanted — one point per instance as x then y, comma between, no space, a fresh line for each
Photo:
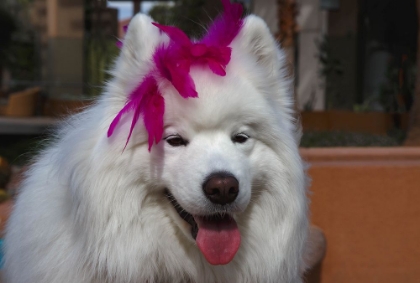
218,239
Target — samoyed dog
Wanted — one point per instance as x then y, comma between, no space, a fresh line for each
186,169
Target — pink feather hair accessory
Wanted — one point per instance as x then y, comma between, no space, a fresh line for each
173,62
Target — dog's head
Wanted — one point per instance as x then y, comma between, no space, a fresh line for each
216,149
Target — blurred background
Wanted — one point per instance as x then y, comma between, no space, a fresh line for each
357,93
354,62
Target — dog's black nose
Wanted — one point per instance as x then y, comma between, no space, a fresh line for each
221,188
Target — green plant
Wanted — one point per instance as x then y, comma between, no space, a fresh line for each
18,51
7,27
331,70
338,139
185,14
23,58
191,16
101,53
397,93
310,103
366,106
19,150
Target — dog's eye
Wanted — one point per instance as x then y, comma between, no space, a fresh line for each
176,140
240,138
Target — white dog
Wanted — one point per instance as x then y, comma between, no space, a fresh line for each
221,198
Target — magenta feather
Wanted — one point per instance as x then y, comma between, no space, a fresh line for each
175,34
226,27
173,62
143,101
153,118
129,106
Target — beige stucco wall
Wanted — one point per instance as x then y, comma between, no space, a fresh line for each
366,202
312,23
267,9
65,29
65,18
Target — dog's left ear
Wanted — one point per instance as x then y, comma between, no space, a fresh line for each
139,44
255,38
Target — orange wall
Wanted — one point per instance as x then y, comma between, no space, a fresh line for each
367,201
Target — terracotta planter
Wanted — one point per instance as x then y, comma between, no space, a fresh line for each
362,122
373,122
21,104
5,209
315,121
366,202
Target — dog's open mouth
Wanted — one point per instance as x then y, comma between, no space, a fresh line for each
183,214
217,236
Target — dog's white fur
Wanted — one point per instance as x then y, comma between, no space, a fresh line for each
90,212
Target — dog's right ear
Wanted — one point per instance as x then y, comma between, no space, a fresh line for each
141,39
255,38
139,44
